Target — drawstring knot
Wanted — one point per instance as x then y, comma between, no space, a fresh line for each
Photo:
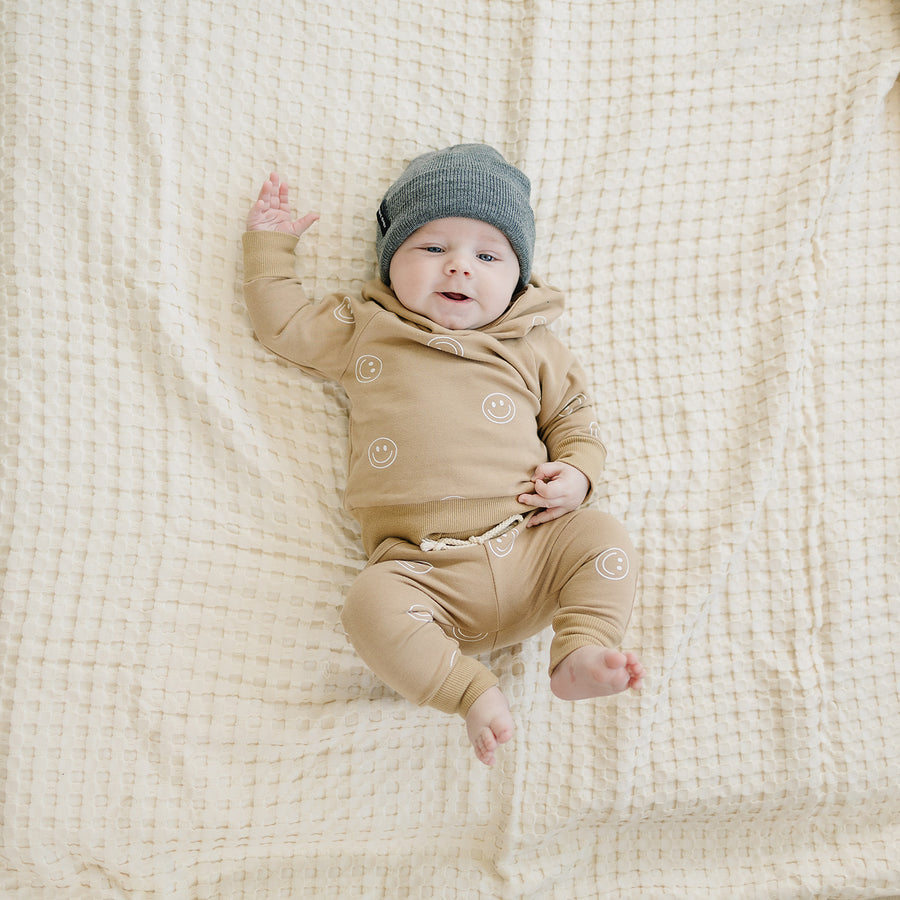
496,531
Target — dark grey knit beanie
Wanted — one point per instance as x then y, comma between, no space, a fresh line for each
471,181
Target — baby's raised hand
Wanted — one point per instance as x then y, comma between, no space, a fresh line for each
272,212
559,488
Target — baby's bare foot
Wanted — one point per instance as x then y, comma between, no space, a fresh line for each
489,723
596,672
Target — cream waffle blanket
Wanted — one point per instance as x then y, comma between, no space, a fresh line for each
717,186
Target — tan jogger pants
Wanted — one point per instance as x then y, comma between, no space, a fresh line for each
417,617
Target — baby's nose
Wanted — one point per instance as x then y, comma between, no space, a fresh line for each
458,266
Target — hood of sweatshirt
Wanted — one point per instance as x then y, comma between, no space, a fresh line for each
538,304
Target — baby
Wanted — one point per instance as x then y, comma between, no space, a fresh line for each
473,445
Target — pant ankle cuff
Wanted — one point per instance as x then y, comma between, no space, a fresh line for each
467,681
574,630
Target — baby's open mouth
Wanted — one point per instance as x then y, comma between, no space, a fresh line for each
452,295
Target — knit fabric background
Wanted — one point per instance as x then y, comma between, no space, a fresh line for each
717,190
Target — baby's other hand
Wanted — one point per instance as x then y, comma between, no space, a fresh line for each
272,212
559,488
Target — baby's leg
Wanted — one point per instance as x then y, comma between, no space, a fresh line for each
394,623
489,723
599,568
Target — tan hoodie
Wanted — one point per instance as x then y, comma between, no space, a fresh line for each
446,426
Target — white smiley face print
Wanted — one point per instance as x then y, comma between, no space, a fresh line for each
343,312
462,636
612,564
575,403
502,546
447,344
498,408
420,613
418,568
368,368
382,453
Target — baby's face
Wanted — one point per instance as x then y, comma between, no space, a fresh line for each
460,273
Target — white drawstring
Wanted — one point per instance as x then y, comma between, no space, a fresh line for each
496,531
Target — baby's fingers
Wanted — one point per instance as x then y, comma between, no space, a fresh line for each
282,191
304,223
269,186
546,515
534,499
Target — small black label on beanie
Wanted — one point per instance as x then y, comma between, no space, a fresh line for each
384,221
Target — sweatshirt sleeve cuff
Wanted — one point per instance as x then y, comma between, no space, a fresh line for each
587,454
268,253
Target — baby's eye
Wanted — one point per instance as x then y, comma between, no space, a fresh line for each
486,257
434,249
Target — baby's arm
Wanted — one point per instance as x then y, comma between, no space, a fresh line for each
559,488
304,332
567,426
272,212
